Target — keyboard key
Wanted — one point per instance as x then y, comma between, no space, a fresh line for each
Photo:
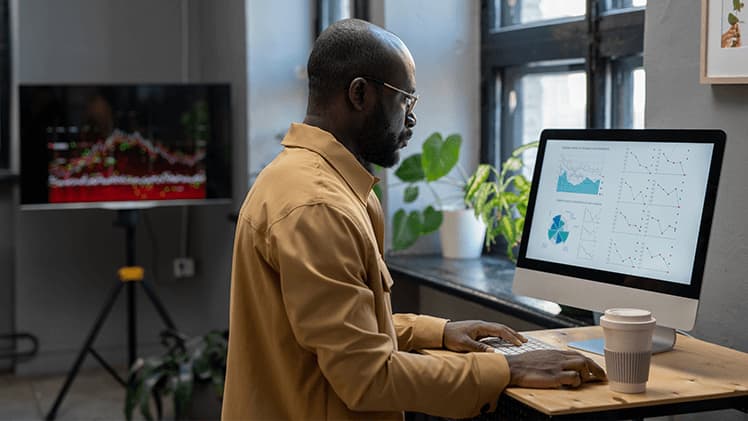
507,348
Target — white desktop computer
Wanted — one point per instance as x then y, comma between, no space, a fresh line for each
621,218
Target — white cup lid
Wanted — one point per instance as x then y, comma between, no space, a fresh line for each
626,316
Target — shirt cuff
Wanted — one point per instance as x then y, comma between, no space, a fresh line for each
428,332
494,376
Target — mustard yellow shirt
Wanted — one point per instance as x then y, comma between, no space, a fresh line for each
312,334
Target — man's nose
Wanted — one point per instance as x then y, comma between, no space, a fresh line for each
410,120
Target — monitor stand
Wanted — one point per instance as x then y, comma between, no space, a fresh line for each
663,339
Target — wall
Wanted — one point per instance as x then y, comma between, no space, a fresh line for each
444,39
65,261
675,99
7,214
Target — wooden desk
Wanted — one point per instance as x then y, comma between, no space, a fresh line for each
695,376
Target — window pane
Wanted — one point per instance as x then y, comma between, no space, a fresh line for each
624,4
639,98
549,100
331,11
628,93
515,12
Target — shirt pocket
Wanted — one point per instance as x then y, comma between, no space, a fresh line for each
387,281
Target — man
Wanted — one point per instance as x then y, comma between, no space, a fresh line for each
312,335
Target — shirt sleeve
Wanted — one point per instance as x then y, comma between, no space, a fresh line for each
416,332
320,253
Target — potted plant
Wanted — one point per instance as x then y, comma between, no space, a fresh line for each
495,201
192,370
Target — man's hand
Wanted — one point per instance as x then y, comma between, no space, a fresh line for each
463,336
550,368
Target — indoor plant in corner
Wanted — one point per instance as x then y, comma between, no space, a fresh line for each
192,370
488,201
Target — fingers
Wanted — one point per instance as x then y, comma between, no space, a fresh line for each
478,346
596,370
587,369
570,378
504,332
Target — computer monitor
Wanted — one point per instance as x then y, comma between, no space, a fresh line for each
124,146
621,218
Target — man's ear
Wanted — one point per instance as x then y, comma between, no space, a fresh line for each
357,93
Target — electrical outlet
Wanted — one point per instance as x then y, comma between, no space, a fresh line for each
184,267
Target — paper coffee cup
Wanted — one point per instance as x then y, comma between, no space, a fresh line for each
628,348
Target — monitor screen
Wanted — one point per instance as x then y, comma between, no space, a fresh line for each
625,208
124,145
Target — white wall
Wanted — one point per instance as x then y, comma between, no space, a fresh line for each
675,99
66,261
444,39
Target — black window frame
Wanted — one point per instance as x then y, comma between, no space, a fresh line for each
325,9
5,47
609,30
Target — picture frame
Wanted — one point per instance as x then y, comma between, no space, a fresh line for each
724,42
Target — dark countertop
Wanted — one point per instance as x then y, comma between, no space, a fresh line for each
486,281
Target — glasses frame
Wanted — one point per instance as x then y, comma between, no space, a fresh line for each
413,99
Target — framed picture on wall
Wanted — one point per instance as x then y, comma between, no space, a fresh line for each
724,41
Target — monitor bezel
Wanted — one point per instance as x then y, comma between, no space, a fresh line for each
693,290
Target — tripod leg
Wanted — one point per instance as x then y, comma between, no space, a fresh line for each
86,346
157,303
132,325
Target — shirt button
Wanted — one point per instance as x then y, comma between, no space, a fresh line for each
485,408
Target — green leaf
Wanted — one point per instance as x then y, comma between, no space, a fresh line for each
410,170
407,228
481,197
511,198
218,380
507,229
732,19
146,391
159,404
476,180
183,389
517,152
521,183
439,157
432,220
522,208
378,191
736,5
410,194
519,225
512,164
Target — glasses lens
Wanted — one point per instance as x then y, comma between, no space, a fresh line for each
410,104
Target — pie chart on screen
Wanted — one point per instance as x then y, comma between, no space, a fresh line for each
556,233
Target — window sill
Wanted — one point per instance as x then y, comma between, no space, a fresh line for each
486,281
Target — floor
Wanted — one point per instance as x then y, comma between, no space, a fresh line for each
94,395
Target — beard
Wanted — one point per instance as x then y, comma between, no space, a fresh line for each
379,144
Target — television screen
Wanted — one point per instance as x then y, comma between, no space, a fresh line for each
124,145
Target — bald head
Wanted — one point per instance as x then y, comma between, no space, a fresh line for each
351,48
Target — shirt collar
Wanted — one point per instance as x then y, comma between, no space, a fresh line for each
324,143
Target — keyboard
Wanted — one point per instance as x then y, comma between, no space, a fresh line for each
507,348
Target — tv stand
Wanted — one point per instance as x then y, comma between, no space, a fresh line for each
129,277
663,340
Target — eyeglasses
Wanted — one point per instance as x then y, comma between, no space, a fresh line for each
410,99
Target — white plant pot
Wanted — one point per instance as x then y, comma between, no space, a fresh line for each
462,234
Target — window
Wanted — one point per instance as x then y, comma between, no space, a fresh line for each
558,64
329,11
